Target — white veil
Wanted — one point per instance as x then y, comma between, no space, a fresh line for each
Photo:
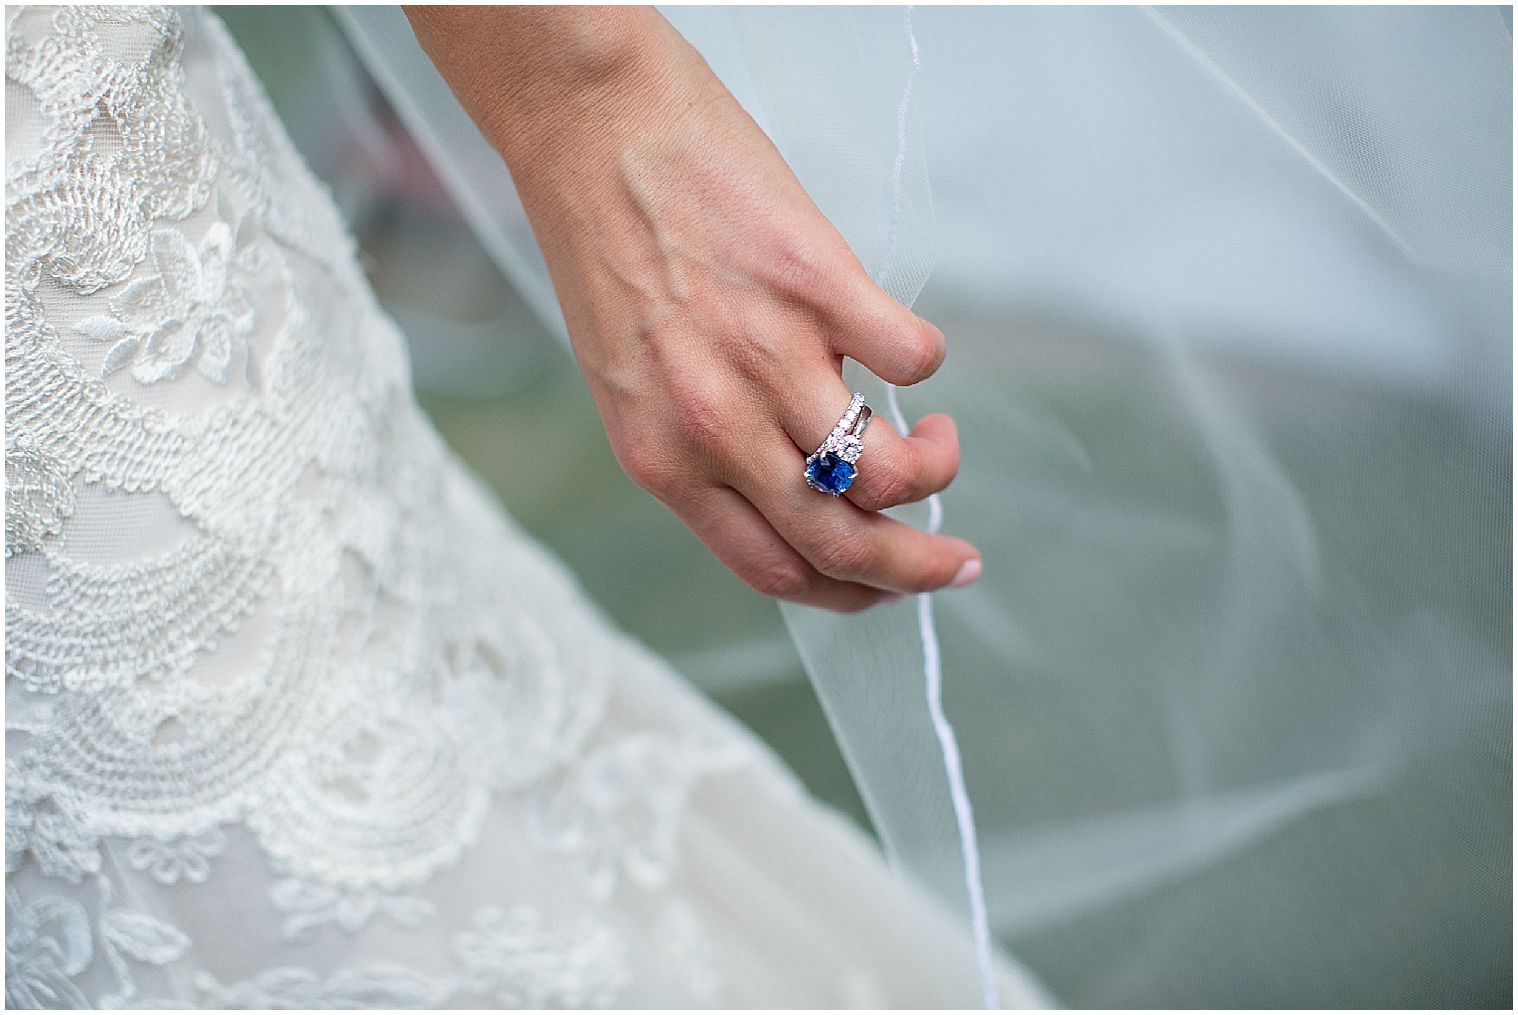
1228,295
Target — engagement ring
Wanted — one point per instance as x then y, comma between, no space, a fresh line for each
831,468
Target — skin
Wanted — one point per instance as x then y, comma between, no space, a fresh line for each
709,303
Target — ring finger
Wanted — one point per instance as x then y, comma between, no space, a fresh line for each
892,469
840,539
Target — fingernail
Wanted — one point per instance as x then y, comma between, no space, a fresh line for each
968,572
894,597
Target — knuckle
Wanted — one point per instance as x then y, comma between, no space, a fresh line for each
644,465
780,579
796,268
910,348
922,351
701,417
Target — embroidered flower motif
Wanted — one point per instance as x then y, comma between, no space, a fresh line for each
620,808
380,985
511,957
47,944
62,846
310,906
132,934
188,858
195,311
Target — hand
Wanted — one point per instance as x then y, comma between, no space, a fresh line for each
709,302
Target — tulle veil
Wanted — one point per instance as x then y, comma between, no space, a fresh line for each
1228,294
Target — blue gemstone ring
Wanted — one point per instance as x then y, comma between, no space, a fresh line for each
832,467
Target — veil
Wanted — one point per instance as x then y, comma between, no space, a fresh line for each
1228,297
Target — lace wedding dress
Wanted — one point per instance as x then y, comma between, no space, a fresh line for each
295,715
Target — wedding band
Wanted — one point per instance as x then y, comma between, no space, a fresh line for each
831,468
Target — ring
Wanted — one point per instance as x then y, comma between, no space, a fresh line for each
831,468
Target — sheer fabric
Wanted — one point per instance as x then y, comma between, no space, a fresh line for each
1228,297
296,717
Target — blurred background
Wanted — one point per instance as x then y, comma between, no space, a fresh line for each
1236,690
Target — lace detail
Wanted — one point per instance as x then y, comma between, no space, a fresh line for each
373,986
47,944
407,656
38,497
276,664
195,310
347,771
188,857
618,811
43,827
51,941
513,959
310,906
509,958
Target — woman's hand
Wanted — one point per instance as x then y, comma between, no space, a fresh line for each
709,302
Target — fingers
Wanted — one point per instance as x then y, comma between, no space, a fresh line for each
843,542
892,469
910,468
739,536
867,325
758,515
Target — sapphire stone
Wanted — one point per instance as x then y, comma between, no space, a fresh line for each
830,474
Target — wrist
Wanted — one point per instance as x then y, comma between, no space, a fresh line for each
552,87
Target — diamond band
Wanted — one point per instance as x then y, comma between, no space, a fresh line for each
831,468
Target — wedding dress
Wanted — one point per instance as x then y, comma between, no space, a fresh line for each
296,716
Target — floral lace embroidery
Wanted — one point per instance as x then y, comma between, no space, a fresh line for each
310,906
41,826
52,940
513,959
195,310
406,656
379,985
510,958
618,811
187,858
47,944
